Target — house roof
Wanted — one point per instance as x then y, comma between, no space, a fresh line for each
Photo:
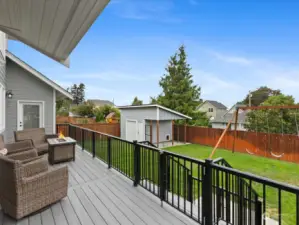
99,102
154,106
229,116
37,74
52,27
216,104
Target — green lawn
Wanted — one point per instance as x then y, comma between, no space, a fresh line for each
273,169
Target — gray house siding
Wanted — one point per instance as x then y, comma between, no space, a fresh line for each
165,128
135,114
24,86
145,115
166,115
2,65
2,57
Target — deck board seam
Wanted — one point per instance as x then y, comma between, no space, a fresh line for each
133,212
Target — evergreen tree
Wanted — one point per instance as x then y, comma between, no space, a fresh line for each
136,101
178,89
78,93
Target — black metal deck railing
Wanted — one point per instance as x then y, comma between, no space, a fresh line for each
207,191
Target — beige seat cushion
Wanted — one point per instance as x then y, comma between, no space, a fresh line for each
42,148
3,151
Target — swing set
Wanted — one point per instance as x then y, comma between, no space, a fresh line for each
268,130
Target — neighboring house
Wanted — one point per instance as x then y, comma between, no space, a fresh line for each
212,108
100,103
222,121
148,123
33,100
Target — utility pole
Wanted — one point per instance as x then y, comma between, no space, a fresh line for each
249,97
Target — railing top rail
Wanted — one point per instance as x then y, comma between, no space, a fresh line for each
108,135
263,180
145,146
217,160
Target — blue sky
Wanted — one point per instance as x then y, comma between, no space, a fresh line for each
233,47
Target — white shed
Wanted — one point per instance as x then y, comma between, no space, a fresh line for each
153,123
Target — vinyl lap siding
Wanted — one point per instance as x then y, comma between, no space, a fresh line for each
2,64
26,87
136,114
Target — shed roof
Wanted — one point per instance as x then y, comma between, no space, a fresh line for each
155,106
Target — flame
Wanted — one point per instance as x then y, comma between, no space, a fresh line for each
61,135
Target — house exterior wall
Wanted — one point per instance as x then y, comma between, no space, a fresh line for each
218,125
216,111
145,115
24,86
135,114
3,46
165,128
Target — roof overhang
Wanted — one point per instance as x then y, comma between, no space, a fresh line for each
38,75
53,27
154,106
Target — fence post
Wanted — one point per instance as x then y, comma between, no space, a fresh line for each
162,174
93,144
207,195
82,138
189,188
136,163
109,152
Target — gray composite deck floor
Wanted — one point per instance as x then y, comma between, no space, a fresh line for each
97,195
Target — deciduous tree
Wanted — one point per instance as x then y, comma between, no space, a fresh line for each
274,120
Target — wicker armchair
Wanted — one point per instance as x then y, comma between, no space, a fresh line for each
28,187
16,147
37,136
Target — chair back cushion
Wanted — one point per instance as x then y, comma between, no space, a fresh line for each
37,135
1,142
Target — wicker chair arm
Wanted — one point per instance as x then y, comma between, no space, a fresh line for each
32,159
35,167
24,155
19,146
47,178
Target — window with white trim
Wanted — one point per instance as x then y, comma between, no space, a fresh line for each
2,108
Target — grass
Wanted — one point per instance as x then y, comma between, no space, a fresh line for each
274,169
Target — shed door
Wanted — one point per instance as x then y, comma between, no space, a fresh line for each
131,130
141,134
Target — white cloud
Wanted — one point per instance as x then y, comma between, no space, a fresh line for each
158,10
231,59
113,76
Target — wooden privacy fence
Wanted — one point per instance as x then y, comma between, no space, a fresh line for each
260,144
107,128
74,120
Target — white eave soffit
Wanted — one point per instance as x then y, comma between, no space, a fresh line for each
53,27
